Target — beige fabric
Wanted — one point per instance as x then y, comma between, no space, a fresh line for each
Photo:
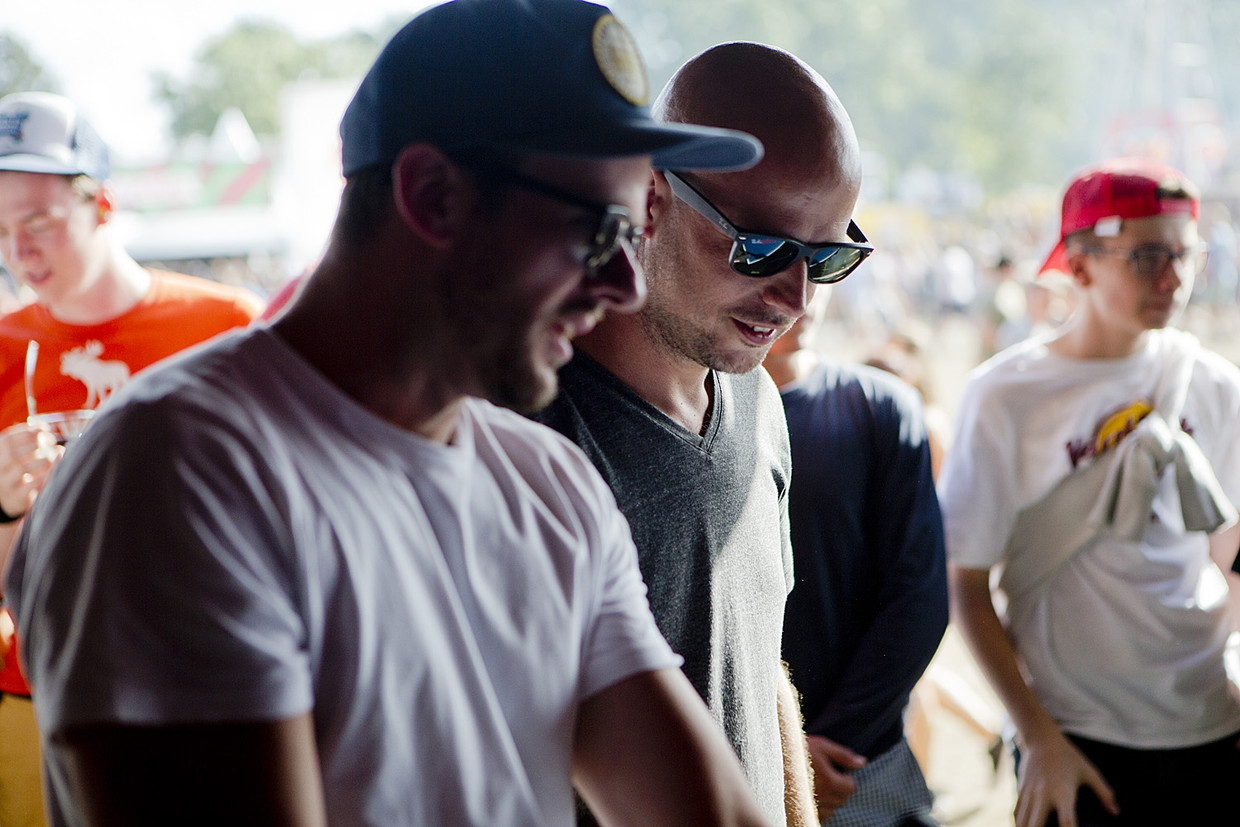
21,791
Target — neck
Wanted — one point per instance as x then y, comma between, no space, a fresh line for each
1080,340
678,387
118,286
348,338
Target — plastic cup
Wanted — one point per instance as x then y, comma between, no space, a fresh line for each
66,426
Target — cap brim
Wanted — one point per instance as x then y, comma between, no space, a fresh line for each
670,145
1057,261
708,147
24,162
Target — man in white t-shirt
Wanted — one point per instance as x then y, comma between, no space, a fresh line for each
1094,469
315,573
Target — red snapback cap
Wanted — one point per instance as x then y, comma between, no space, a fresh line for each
1108,193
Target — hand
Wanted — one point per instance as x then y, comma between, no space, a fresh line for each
6,633
27,455
1051,772
833,764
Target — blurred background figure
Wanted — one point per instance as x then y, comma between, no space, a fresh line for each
96,319
870,602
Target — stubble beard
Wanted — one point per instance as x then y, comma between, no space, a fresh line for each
676,334
516,380
685,340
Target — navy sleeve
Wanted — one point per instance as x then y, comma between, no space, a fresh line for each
870,604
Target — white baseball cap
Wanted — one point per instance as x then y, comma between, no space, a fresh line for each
42,132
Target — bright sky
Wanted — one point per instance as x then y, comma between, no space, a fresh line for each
103,51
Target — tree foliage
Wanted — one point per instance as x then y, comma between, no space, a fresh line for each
977,87
20,71
248,66
1003,92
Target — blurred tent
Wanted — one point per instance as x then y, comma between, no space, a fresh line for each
231,196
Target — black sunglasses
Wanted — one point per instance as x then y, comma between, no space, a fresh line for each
615,227
760,254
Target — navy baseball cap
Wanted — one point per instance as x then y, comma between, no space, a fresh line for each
562,77
42,132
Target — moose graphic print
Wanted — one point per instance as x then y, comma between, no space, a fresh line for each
101,377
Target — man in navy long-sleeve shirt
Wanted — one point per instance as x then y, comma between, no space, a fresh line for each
870,602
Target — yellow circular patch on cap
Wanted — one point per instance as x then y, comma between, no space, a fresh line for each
616,53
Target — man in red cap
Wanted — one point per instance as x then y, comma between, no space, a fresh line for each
1095,468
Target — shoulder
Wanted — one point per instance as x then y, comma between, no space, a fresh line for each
534,465
1214,386
534,450
19,316
1013,362
1213,377
203,293
1012,372
225,368
507,425
751,402
173,411
852,400
1215,368
756,382
874,385
753,388
754,422
26,322
587,394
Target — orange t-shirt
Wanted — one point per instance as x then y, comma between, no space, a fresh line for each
80,366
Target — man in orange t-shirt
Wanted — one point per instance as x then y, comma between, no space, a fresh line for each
98,318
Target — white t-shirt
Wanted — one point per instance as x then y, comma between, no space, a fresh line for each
235,539
1126,644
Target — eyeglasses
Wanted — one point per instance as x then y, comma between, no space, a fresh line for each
1149,261
615,227
760,255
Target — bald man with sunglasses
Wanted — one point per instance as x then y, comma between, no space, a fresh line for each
670,407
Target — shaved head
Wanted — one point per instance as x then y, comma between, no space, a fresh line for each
774,96
699,311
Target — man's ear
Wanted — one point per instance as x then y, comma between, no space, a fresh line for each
658,194
432,193
1077,266
103,204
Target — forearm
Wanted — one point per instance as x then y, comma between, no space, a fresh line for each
1052,768
873,690
8,541
25,463
799,805
908,613
647,752
995,654
1233,597
1223,546
229,773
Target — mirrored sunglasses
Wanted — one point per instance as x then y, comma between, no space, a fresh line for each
760,254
